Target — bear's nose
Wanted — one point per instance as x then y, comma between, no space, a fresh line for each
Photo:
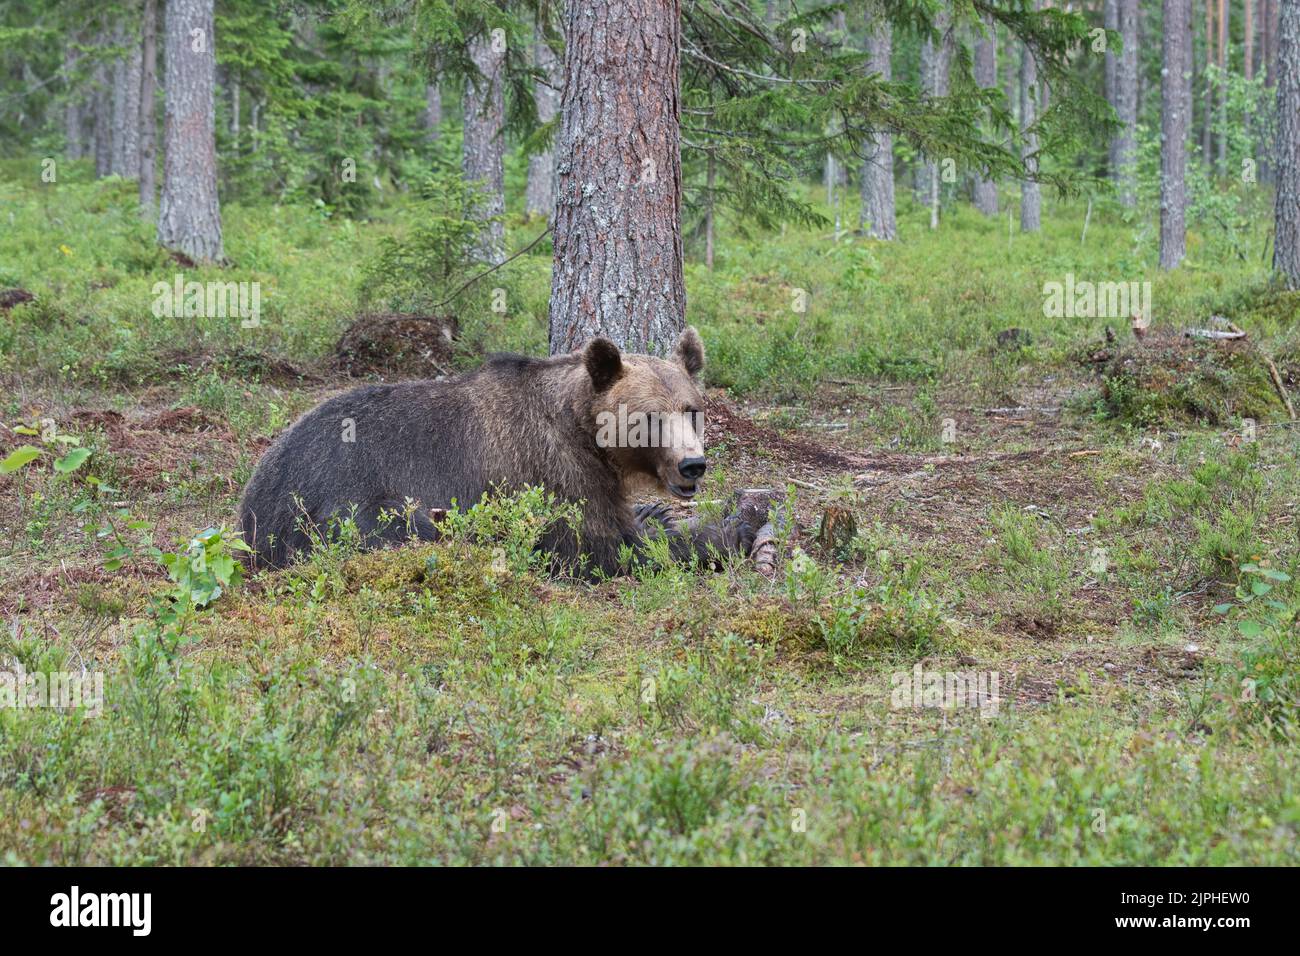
691,468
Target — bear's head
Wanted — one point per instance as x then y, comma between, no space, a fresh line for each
648,413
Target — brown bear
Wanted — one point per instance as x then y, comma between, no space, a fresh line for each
559,422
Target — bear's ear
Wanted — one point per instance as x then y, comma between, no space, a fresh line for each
689,353
603,362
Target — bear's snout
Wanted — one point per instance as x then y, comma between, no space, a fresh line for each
692,469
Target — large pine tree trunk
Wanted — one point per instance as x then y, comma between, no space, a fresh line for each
1031,213
539,196
877,216
1286,249
986,75
618,236
1175,106
148,95
1124,145
483,147
189,217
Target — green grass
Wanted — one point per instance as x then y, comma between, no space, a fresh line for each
447,704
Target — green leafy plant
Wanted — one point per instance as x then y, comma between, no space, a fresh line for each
52,443
1255,584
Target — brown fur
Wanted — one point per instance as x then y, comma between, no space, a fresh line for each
514,422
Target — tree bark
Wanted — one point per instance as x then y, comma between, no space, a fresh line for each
1030,197
877,217
1286,247
148,120
189,217
618,236
986,75
539,196
1173,134
1124,145
483,148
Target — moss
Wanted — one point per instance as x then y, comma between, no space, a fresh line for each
1176,380
775,623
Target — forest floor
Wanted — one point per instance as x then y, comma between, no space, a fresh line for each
1053,521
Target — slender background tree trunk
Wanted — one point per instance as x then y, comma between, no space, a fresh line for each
433,111
148,97
986,75
618,237
877,216
539,197
1173,134
1225,35
189,218
103,115
1124,146
1030,197
482,155
72,145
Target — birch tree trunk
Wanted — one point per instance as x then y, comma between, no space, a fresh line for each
1175,105
189,217
539,196
483,148
1286,247
877,215
618,236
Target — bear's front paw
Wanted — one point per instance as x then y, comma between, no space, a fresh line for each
739,533
653,511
